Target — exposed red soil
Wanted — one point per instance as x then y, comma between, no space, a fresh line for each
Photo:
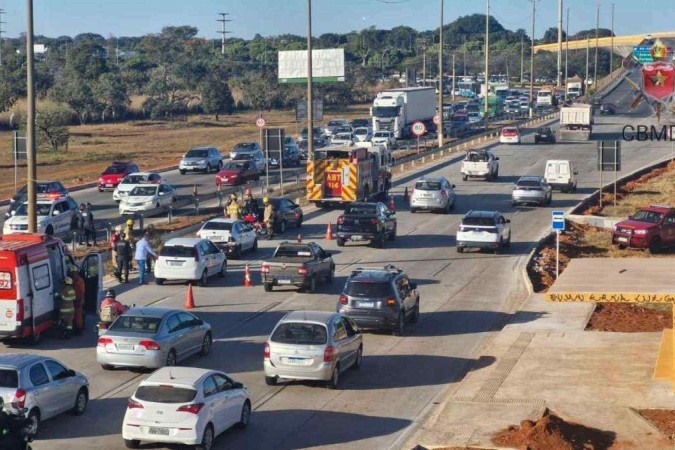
663,419
628,318
551,432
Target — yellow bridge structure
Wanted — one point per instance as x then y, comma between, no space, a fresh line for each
622,45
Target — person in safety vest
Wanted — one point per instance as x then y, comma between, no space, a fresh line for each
233,208
268,217
67,307
78,285
110,307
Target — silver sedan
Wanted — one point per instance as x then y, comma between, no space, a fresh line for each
531,190
153,338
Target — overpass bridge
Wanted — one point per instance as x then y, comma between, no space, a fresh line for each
623,45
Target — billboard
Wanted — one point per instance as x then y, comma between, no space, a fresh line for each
328,66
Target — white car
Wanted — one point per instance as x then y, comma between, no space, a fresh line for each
509,135
385,138
335,123
148,197
474,117
342,139
234,236
185,405
53,217
135,179
484,229
189,259
363,134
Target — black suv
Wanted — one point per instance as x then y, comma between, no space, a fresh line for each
544,134
380,299
362,221
607,109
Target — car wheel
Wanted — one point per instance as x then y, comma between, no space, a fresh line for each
460,249
331,275
412,210
204,280
465,178
223,270
399,329
270,381
245,417
207,342
49,231
171,358
392,236
340,242
416,313
255,245
380,241
208,168
654,246
220,166
33,422
182,172
335,378
359,358
81,401
132,443
107,367
207,439
237,252
282,227
159,281
311,287
268,287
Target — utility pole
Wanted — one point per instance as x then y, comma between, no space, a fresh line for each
522,59
611,53
310,109
454,83
464,36
424,67
567,48
2,11
560,12
588,46
597,30
487,63
30,122
440,80
531,109
223,20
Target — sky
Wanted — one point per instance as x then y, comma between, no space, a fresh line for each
272,17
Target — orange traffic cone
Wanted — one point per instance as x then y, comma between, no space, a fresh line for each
329,232
392,204
189,298
247,277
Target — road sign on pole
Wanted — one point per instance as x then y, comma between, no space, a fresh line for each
260,122
418,129
437,119
558,225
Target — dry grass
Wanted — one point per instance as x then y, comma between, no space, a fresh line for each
151,144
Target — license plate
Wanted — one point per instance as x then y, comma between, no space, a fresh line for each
298,361
367,304
109,185
124,347
158,430
284,281
623,239
175,263
356,237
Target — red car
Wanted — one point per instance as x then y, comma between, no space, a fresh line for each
652,228
115,173
237,172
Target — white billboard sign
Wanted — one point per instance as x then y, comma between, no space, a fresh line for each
328,66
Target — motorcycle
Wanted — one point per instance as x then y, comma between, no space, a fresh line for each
259,227
15,432
102,326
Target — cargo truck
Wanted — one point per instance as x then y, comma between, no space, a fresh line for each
576,122
574,87
546,97
396,110
341,175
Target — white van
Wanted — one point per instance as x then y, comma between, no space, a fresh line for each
560,174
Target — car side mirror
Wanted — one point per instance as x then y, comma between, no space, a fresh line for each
161,193
576,172
199,322
328,255
453,186
71,373
56,212
413,285
496,158
238,385
508,220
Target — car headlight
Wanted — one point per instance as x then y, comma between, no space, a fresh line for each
203,161
149,201
641,232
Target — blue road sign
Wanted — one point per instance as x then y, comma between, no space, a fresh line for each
558,220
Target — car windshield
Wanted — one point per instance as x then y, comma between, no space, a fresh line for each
244,156
143,191
42,209
300,333
245,146
136,324
293,251
528,183
479,221
361,131
345,136
385,111
544,130
368,289
335,123
197,153
234,165
361,209
135,179
360,123
9,378
165,394
477,157
115,170
178,251
648,216
219,226
381,134
428,186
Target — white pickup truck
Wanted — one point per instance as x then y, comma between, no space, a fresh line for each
480,163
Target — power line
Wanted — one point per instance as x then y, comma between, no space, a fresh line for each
2,11
223,20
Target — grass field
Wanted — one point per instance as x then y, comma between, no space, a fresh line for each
151,144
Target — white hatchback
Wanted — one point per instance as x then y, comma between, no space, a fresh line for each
148,198
234,236
189,259
185,405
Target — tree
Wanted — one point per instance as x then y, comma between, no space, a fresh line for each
216,96
72,89
110,93
551,36
51,127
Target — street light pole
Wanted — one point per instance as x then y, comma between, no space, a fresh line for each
310,110
531,111
439,131
567,48
611,53
560,12
30,125
487,63
597,36
588,46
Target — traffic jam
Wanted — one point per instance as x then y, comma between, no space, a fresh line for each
46,293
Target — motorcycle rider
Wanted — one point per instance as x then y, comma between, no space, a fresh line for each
250,205
110,307
13,434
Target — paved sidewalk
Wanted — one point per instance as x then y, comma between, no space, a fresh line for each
593,378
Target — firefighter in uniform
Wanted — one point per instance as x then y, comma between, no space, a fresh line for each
116,237
78,285
67,307
123,254
129,237
233,208
268,217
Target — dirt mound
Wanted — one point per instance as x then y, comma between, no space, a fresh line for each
628,318
663,419
553,433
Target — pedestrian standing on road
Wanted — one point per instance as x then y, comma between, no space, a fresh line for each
233,208
114,238
148,260
80,222
78,305
143,248
75,225
268,217
250,206
123,252
67,307
88,225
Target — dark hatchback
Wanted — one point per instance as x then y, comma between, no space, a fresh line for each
544,134
380,299
286,213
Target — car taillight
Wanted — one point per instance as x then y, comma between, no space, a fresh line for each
344,300
391,302
103,341
133,404
374,221
19,310
329,354
341,220
19,400
192,409
149,345
265,268
266,350
302,270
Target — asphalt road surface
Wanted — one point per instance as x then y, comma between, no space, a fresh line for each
465,298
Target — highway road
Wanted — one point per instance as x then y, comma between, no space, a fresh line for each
465,299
